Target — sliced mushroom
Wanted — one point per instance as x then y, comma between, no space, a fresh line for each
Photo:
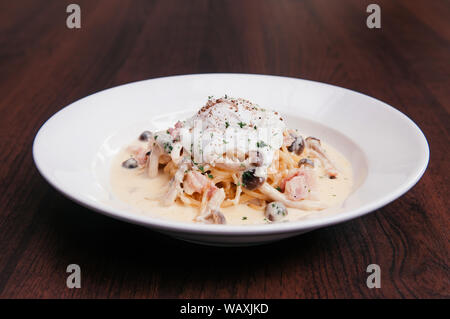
145,136
218,217
250,180
130,163
275,211
153,160
306,162
298,145
275,195
174,186
316,150
256,158
312,138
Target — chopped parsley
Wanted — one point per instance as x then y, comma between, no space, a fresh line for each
156,137
168,147
242,124
201,168
261,144
210,176
278,188
244,218
227,124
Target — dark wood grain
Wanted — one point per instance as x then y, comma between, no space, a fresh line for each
45,66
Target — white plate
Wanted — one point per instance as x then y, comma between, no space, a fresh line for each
74,148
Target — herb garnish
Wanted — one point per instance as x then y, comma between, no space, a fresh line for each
168,148
261,144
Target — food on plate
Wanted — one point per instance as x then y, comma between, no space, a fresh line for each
232,162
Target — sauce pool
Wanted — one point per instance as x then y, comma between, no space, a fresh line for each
142,193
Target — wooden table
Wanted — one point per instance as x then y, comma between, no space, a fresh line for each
45,66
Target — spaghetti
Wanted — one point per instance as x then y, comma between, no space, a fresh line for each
234,152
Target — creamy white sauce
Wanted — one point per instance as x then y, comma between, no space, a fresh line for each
225,132
142,193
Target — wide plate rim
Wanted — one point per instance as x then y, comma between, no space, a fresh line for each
247,230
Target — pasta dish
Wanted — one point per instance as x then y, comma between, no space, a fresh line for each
234,153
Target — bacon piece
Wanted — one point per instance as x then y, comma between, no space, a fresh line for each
300,184
195,183
179,124
175,131
297,188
